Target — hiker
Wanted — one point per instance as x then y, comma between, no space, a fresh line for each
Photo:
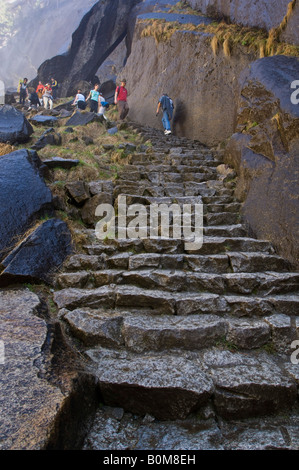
103,106
54,86
79,100
33,99
94,98
39,91
120,99
23,91
47,96
167,106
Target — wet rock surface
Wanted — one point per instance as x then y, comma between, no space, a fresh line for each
14,127
39,255
29,197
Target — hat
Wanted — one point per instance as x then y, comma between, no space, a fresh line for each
123,80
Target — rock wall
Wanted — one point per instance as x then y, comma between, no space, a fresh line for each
205,89
265,150
291,33
260,13
101,30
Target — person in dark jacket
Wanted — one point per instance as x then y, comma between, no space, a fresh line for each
23,91
34,99
54,86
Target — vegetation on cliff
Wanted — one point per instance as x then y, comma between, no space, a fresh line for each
224,34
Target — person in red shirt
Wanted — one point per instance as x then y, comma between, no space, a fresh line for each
120,99
39,91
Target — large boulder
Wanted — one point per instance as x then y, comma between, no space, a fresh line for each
49,137
264,151
82,118
99,33
39,255
24,196
14,126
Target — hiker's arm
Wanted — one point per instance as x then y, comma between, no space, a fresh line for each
158,108
115,97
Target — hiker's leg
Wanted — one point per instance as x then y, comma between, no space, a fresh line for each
125,110
120,105
165,121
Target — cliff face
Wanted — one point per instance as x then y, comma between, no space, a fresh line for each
265,150
99,33
266,14
205,89
33,31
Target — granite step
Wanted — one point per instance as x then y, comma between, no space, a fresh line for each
140,333
171,386
261,284
176,303
224,263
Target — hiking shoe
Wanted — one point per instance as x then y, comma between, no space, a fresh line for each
167,132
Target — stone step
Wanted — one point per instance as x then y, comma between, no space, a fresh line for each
230,262
166,387
169,177
109,432
179,281
170,387
173,303
237,230
141,333
211,245
171,167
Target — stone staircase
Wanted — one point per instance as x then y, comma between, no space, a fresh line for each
169,331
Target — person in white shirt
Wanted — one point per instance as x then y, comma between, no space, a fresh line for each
47,97
79,100
102,109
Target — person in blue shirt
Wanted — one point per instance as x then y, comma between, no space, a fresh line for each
94,98
166,104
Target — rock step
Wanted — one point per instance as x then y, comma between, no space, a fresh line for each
179,281
163,168
211,245
214,207
205,189
160,178
230,262
173,303
224,231
140,333
170,387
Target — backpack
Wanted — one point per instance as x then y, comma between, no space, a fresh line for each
168,105
105,104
